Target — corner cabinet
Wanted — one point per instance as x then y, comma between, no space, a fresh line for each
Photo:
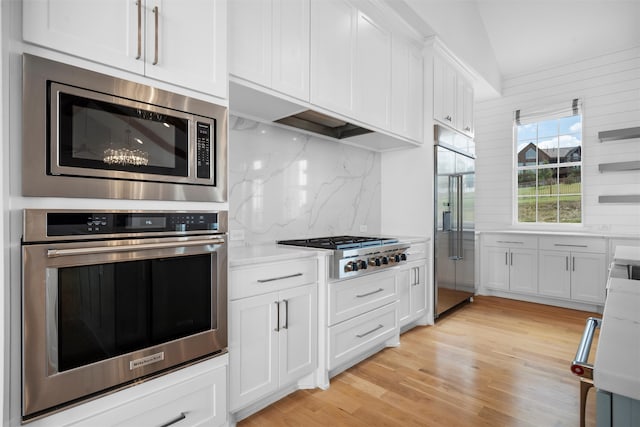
181,43
273,328
453,96
510,263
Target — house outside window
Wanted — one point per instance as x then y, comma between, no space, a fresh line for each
549,165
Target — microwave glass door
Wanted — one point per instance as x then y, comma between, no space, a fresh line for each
106,310
95,134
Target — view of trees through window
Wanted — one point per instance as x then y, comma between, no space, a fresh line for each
549,170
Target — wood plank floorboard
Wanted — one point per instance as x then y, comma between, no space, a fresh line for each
494,362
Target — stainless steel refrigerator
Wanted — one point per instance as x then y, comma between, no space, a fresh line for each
454,234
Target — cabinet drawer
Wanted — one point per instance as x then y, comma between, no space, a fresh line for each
418,251
349,298
510,240
575,244
264,278
356,336
199,401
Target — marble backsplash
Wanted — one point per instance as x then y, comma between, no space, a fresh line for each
286,185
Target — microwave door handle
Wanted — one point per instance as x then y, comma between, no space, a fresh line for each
155,57
139,4
52,253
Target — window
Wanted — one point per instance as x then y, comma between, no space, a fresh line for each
549,165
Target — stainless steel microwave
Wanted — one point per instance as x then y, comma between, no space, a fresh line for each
87,134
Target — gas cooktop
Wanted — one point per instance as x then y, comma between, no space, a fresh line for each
356,255
340,242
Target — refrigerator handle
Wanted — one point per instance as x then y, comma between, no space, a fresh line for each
459,214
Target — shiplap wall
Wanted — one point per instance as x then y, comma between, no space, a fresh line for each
609,87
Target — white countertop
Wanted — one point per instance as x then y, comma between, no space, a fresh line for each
627,255
268,252
617,364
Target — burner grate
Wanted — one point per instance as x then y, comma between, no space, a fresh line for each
340,242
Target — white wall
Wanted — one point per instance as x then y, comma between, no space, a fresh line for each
288,185
609,87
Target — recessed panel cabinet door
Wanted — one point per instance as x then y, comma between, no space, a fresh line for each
523,275
250,40
372,82
496,273
253,348
588,277
555,274
298,333
107,31
333,24
186,44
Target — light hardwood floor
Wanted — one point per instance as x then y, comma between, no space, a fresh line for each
494,362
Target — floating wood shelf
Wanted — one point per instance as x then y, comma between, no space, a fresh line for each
631,198
619,166
616,134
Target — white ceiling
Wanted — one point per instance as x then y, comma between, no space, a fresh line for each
513,37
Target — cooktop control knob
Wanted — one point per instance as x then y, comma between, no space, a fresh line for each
374,262
348,267
363,265
403,257
385,260
396,258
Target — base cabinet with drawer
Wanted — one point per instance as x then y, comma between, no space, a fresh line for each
573,268
362,316
511,263
273,332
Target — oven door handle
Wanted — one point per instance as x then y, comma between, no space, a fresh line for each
52,253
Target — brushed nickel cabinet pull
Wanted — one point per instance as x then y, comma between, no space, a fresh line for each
506,258
573,264
510,241
369,332
370,293
273,279
570,246
139,4
277,303
286,314
566,263
177,419
155,57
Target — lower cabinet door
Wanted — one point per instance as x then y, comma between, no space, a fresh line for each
523,274
418,290
404,295
555,274
496,273
253,347
298,338
588,277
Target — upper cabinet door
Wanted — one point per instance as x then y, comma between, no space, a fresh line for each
372,82
106,31
187,44
333,24
180,42
466,122
444,92
290,36
407,91
250,40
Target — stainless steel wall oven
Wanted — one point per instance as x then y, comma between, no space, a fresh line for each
87,134
113,297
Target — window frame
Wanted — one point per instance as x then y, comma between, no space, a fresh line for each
536,166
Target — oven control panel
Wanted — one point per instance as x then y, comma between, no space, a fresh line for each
62,224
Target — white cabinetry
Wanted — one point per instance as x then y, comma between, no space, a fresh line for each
407,90
192,396
363,316
573,268
269,44
510,263
452,96
350,62
182,43
273,333
414,286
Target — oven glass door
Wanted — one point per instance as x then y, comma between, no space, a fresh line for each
107,310
100,314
